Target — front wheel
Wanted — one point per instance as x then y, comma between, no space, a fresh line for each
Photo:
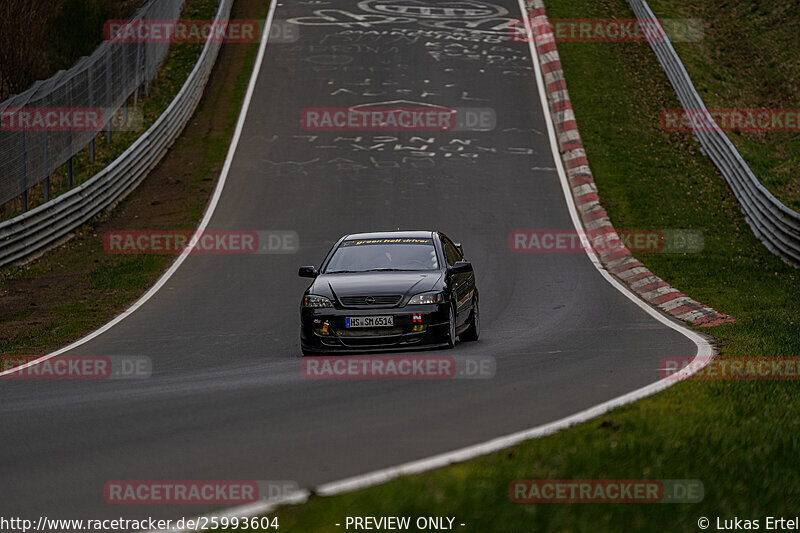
474,329
451,328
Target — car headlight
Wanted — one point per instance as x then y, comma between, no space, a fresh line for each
427,298
311,300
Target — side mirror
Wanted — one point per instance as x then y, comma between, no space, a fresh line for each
308,272
460,267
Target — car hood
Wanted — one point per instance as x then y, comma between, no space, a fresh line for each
375,283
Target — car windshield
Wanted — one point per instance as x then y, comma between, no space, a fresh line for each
375,255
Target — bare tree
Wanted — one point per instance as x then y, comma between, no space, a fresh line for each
23,35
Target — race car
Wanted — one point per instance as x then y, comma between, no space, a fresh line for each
388,291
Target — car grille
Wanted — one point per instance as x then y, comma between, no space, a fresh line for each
354,301
369,332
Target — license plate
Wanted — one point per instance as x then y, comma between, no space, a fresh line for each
369,321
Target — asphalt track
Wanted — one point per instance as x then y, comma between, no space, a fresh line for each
227,399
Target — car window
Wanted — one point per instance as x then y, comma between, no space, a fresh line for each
383,254
450,252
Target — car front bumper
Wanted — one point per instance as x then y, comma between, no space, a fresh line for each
324,330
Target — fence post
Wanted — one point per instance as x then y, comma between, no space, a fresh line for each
70,171
24,198
92,103
47,158
71,140
109,93
136,70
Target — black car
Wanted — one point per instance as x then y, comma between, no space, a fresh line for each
388,291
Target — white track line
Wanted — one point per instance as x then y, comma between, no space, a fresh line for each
703,357
212,205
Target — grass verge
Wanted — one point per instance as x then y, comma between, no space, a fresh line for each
748,59
72,290
738,437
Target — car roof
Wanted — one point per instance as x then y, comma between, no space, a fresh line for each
391,235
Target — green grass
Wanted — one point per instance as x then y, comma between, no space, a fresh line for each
128,273
740,438
748,59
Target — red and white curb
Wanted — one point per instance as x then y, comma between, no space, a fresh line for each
620,261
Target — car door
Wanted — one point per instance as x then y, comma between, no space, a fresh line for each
462,284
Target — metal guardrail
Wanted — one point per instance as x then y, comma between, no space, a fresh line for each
49,224
777,226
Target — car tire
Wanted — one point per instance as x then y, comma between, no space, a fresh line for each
474,329
451,331
305,351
